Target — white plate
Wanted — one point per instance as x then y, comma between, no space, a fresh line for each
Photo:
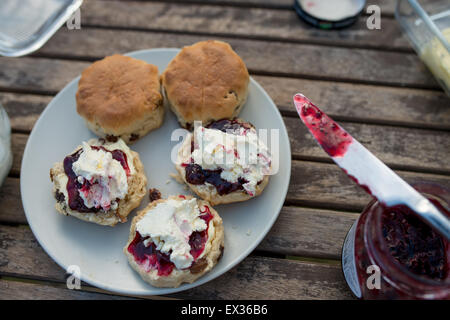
97,250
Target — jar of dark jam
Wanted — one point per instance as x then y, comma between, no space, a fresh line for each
389,253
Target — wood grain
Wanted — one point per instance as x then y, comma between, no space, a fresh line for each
276,58
20,290
244,22
312,184
387,6
297,232
326,186
348,102
364,103
21,255
23,109
398,147
308,232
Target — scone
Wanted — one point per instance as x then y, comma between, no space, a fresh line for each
206,81
224,162
100,182
174,241
120,97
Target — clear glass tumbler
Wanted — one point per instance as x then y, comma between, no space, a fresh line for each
5,145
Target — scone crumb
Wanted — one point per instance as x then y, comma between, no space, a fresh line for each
154,194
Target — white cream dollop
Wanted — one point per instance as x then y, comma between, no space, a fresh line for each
106,175
239,154
169,225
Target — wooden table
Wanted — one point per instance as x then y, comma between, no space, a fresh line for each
369,80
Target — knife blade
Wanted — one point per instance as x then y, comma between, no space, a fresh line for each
364,168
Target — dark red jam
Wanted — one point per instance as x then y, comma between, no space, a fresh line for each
333,139
196,175
73,186
161,261
413,260
229,126
414,244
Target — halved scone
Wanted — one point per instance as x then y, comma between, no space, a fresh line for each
175,240
100,182
224,162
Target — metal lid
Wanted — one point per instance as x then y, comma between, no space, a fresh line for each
329,14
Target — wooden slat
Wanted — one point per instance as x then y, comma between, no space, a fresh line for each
45,76
21,255
297,232
326,186
268,278
20,290
364,103
357,103
401,148
308,233
387,6
245,22
261,57
312,184
11,210
23,109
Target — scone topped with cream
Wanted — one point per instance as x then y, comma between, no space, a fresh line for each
224,162
120,97
206,81
99,182
174,241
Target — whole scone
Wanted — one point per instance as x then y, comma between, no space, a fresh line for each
224,162
120,97
206,81
99,182
175,240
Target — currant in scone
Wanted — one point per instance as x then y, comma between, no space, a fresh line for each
175,240
99,182
225,161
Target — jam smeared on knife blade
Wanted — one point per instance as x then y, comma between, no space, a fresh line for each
334,140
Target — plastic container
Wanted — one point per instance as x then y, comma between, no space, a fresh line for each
373,245
427,25
26,25
5,145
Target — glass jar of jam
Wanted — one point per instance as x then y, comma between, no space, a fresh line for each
5,145
389,253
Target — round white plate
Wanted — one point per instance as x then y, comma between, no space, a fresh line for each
97,250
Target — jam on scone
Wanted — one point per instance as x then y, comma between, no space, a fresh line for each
99,182
171,239
97,178
228,156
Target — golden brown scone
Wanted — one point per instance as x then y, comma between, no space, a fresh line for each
207,191
137,182
120,97
206,81
212,252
